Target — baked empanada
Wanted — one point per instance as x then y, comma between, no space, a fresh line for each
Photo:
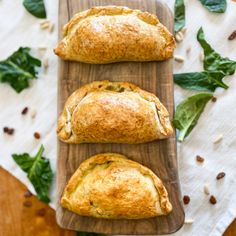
113,112
112,34
110,186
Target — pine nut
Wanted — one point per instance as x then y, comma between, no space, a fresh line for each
179,58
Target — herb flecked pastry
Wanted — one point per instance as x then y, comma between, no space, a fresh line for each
113,112
110,34
110,186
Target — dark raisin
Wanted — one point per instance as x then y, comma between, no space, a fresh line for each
220,175
10,131
5,129
186,199
199,159
24,111
212,200
232,35
37,135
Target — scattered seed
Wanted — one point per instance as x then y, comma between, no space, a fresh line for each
206,189
179,37
218,138
28,194
232,36
186,199
212,200
45,64
41,212
11,131
42,48
27,203
183,30
5,129
214,99
188,50
51,28
188,221
37,135
201,56
179,58
33,114
44,21
8,130
24,111
200,159
45,25
220,175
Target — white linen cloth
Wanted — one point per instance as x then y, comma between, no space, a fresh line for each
19,28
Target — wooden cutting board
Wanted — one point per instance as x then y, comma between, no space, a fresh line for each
22,214
12,200
160,156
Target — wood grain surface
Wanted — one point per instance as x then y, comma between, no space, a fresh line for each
160,156
16,219
231,230
24,215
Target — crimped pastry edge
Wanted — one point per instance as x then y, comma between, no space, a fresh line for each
75,98
114,10
109,10
102,158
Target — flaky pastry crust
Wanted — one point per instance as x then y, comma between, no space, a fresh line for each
108,34
113,112
110,186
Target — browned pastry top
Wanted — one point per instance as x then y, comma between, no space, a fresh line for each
109,34
110,186
113,112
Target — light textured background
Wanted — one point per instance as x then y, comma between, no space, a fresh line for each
19,28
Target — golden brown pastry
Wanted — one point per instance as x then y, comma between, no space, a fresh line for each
109,34
110,186
113,112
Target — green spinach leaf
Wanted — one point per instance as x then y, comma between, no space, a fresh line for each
188,112
38,171
201,81
18,69
35,7
179,15
218,6
213,61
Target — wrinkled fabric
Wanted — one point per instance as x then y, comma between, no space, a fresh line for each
19,28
